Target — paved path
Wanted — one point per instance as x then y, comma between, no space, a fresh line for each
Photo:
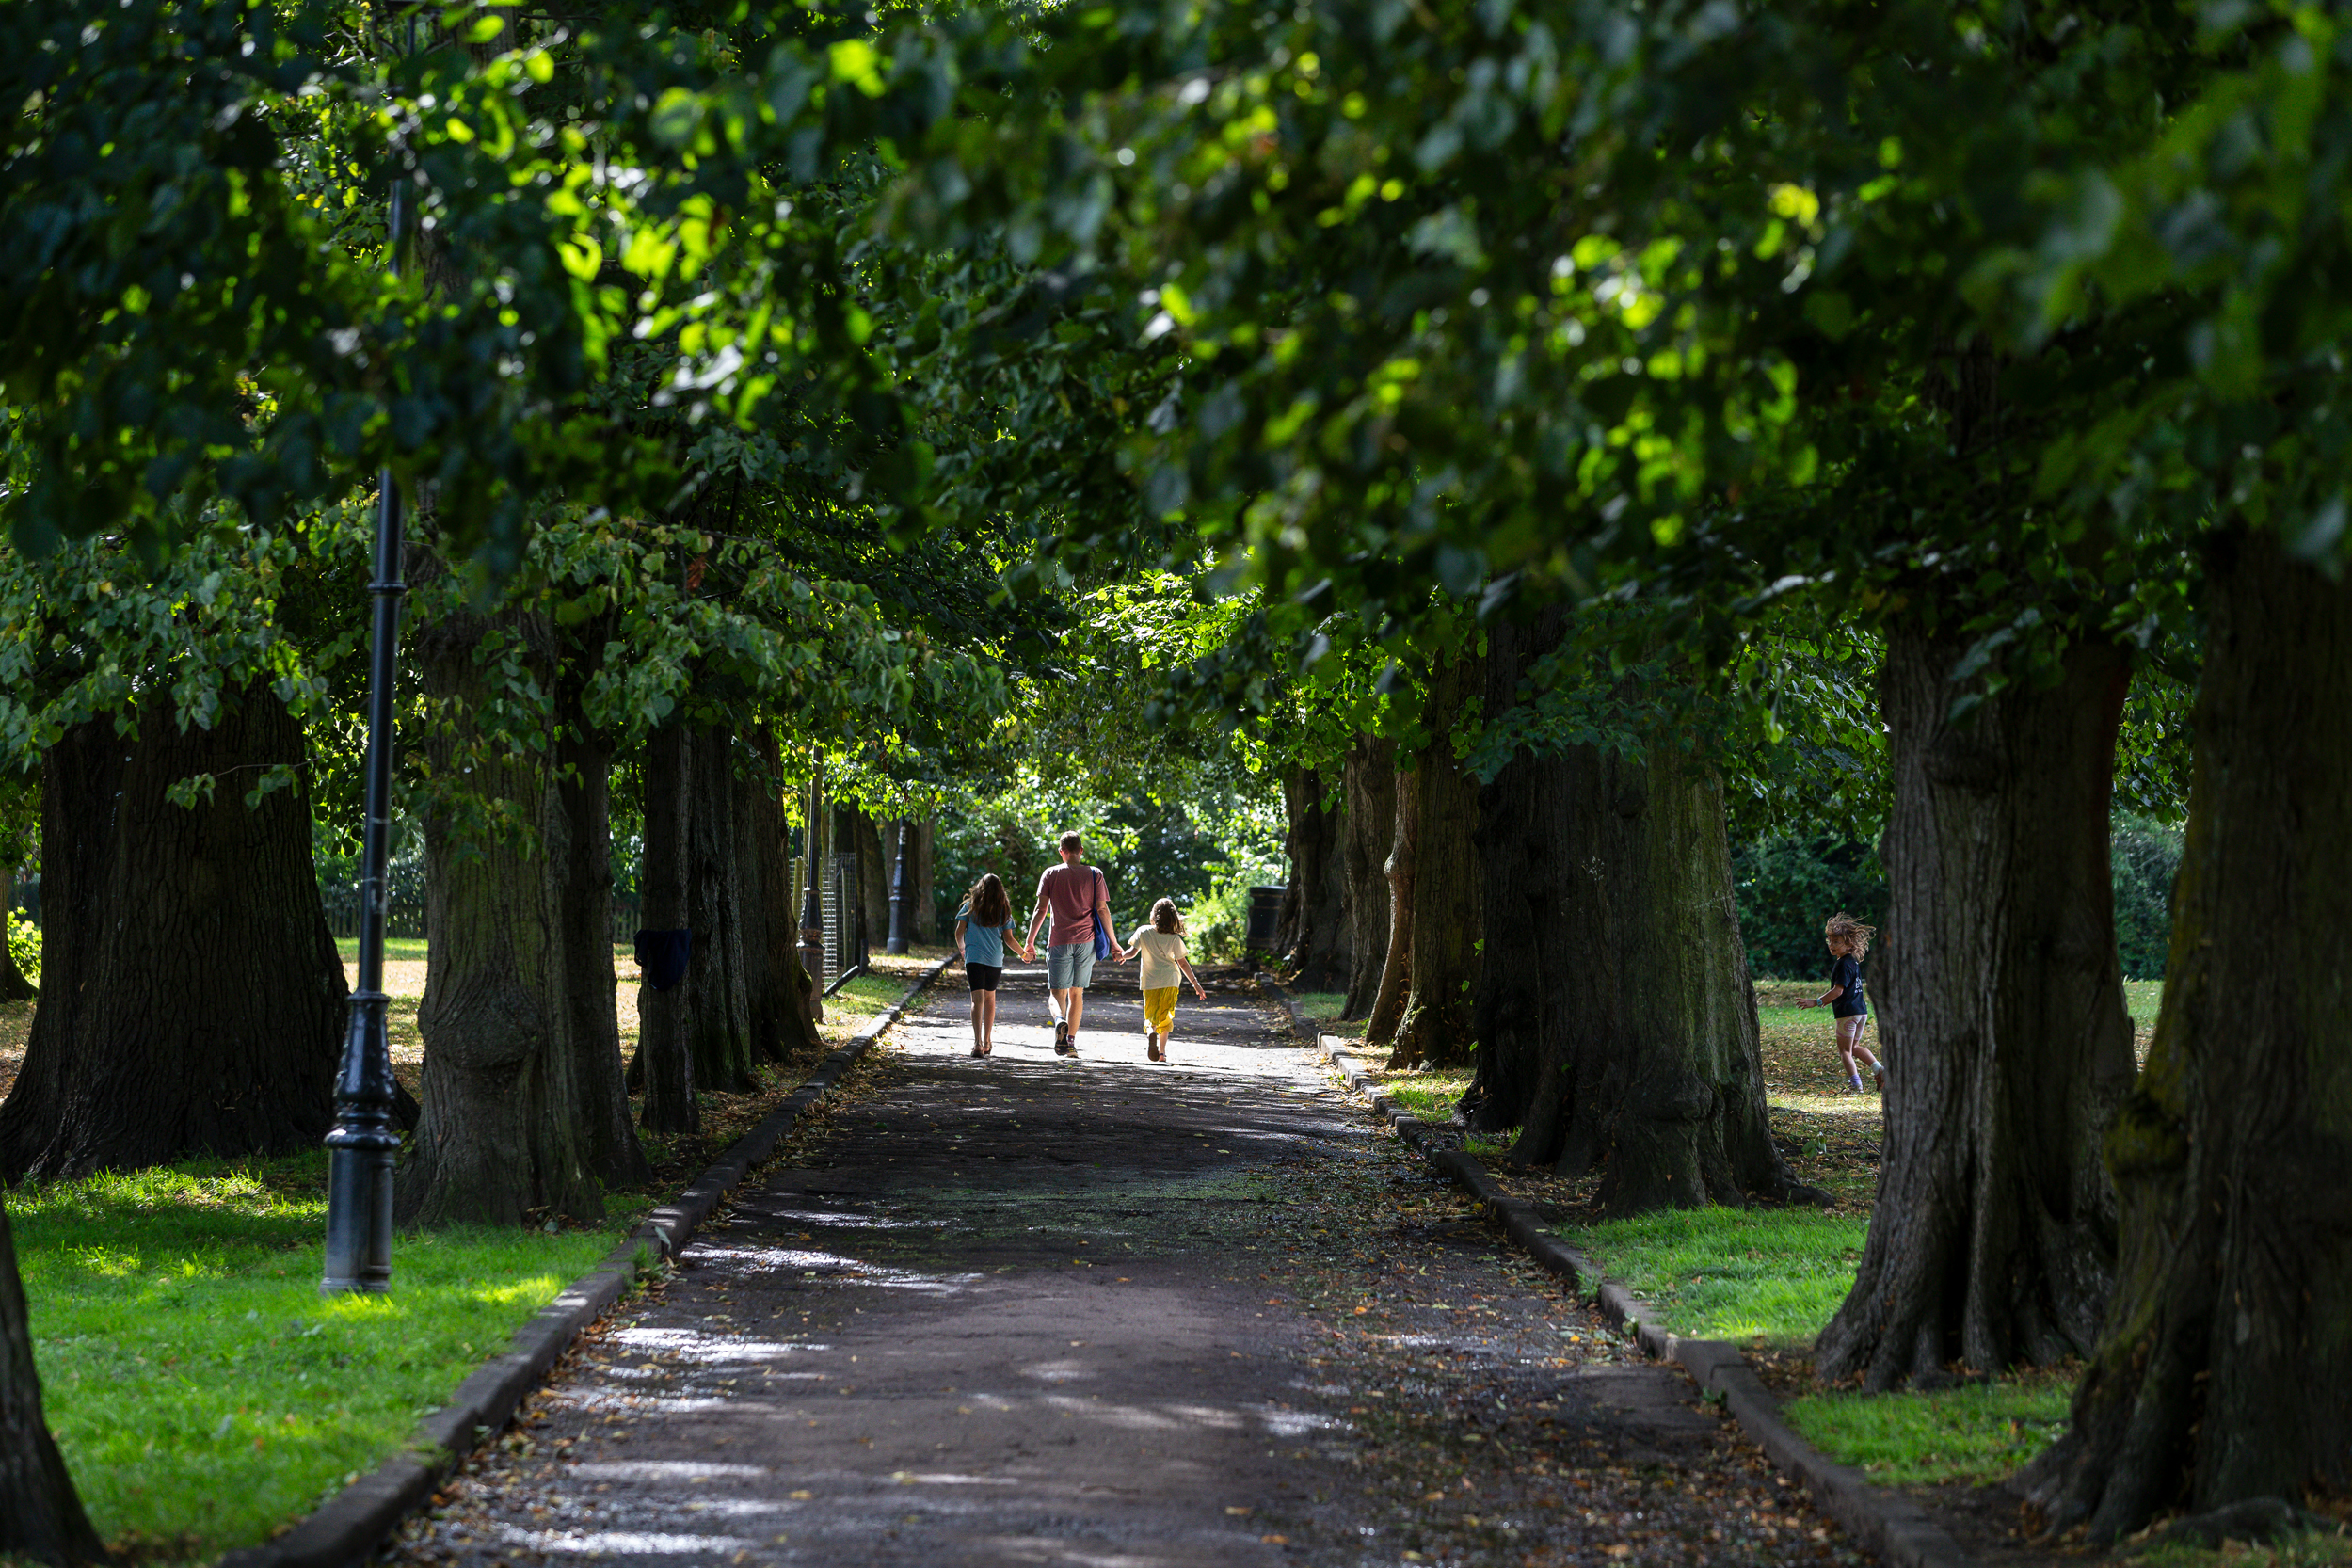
1102,1312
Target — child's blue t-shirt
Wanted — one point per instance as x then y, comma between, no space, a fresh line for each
982,944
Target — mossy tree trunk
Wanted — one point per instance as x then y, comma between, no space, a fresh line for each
505,1135
1651,1064
1435,1029
192,1000
40,1515
2002,1022
1367,830
2221,1370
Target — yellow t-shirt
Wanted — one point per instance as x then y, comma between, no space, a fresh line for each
1161,949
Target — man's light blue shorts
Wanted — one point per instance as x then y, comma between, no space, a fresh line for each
1070,965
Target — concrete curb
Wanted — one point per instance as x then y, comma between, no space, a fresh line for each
1892,1526
349,1525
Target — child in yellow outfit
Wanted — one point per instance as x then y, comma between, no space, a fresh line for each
1161,946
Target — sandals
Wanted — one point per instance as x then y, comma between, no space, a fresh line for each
1152,1051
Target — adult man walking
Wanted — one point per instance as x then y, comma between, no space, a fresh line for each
1078,898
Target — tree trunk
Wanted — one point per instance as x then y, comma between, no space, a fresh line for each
1515,907
1435,1029
583,797
1368,831
1313,938
2002,1019
2221,1367
780,1028
192,1000
878,843
41,1514
665,1018
503,1138
13,986
1395,977
719,1011
924,858
1652,1065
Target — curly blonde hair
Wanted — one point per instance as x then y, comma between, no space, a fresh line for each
1842,926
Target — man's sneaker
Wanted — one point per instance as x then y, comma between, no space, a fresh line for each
1066,1046
1060,1037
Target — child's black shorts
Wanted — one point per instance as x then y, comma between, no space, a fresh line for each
983,976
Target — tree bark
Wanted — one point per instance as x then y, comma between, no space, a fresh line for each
1312,937
586,991
2002,1021
925,859
665,1018
1368,831
719,1011
781,1027
1395,977
504,1137
878,843
1515,914
13,986
1651,1064
2220,1369
41,1514
1435,1029
192,1000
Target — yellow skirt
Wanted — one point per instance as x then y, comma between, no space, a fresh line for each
1159,1009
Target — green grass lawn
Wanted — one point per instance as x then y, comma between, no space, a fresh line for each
1732,1274
202,1391
1322,1009
1978,1434
1431,1095
402,949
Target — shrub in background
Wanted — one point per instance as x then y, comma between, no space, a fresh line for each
24,945
1788,883
2146,857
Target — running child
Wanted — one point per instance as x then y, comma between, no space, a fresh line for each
1848,940
982,926
1161,946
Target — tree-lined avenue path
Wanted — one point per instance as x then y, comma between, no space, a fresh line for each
1102,1312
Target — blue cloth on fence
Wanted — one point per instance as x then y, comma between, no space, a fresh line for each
663,955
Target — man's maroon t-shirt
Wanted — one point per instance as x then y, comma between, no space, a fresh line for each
1071,892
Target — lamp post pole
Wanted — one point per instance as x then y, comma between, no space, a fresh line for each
362,1142
897,944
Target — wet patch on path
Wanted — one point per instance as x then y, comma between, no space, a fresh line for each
1042,1311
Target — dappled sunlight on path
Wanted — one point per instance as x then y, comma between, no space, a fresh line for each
1030,1309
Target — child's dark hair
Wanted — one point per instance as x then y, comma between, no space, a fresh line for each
1165,919
991,906
1844,925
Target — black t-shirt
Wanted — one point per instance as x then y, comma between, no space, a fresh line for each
1846,972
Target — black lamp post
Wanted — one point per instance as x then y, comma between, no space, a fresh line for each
897,944
362,1142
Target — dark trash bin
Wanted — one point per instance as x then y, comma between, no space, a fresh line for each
1265,918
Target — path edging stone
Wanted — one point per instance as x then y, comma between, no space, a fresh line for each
1888,1523
348,1526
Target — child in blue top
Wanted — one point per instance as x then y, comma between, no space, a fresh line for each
982,928
1848,940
